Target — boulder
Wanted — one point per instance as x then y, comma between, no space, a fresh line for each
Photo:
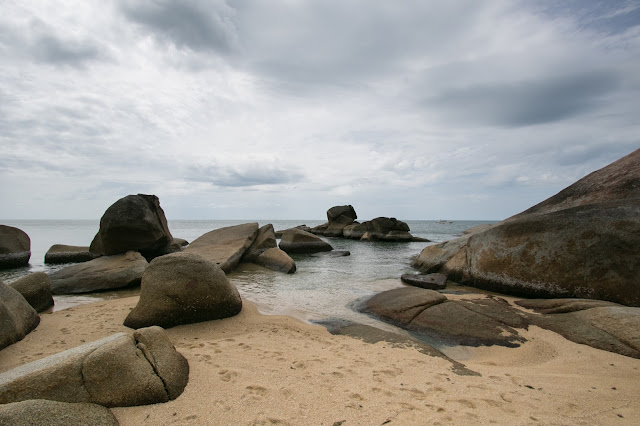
36,289
119,370
183,288
336,227
264,251
581,243
428,281
355,231
387,229
53,413
180,242
299,241
103,273
335,212
225,246
60,253
15,247
135,222
17,317
429,314
303,227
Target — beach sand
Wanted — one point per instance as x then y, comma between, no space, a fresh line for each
254,369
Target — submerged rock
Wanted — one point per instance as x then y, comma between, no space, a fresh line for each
15,247
583,242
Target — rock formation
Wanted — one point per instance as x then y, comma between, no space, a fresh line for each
135,222
183,288
60,253
225,246
53,413
296,240
36,289
119,370
15,247
583,242
17,317
103,273
264,251
428,281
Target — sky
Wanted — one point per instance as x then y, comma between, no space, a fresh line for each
282,109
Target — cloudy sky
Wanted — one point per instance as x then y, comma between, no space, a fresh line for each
281,109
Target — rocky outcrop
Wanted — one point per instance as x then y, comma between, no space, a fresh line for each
60,253
225,246
428,281
103,273
36,289
339,217
427,313
54,413
119,370
265,252
15,247
17,317
599,324
583,242
387,229
298,241
135,222
183,288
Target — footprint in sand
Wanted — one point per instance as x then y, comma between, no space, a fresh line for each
255,392
228,375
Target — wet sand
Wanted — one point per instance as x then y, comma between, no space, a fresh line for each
256,369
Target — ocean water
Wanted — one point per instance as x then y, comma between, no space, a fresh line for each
322,287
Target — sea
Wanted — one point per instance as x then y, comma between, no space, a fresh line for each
322,288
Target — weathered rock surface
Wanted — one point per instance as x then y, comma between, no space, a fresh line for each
299,241
119,370
265,252
36,289
338,217
335,212
17,317
474,322
583,242
15,247
53,413
103,273
135,222
60,253
281,231
599,324
428,281
225,246
183,288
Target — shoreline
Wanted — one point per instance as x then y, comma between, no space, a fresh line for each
262,369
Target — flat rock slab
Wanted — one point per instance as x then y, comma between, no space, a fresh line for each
474,322
103,273
119,370
428,281
55,413
561,306
225,246
61,253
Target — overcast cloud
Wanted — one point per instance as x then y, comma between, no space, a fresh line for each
282,109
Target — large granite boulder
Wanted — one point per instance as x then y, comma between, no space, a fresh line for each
135,222
334,213
583,242
430,315
61,253
53,413
103,273
387,229
36,289
15,247
225,246
265,252
298,241
183,288
119,370
17,317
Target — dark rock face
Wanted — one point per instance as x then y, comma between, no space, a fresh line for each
135,222
53,413
36,289
298,241
335,212
60,253
265,252
17,317
225,246
583,242
15,247
490,321
119,370
183,288
428,281
103,273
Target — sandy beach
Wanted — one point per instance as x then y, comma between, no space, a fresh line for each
255,369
